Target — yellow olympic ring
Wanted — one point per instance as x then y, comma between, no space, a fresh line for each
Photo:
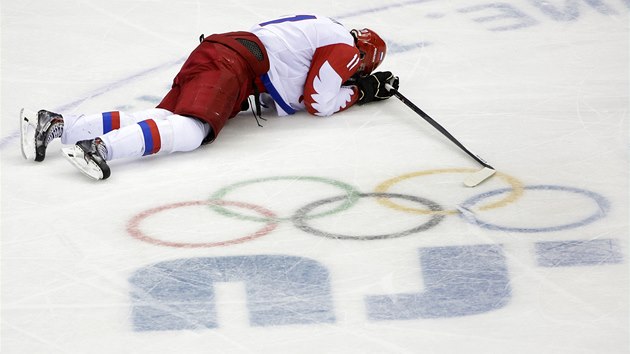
516,192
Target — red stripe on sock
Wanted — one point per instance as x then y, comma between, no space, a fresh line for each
115,120
155,134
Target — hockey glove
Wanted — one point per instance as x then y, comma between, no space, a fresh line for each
372,87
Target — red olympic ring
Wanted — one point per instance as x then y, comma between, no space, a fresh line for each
133,227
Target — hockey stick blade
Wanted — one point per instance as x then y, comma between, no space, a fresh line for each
476,178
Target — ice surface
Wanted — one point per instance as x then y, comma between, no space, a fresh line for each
349,234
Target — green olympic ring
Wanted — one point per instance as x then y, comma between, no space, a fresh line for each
352,196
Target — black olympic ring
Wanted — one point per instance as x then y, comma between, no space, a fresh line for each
301,216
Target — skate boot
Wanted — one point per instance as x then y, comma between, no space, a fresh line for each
37,130
89,157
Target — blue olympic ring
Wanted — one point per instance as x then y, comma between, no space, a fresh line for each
602,203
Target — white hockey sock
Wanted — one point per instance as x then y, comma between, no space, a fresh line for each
152,136
83,127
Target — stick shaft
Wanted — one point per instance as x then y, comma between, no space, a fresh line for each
437,126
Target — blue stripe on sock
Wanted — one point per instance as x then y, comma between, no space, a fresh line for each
107,122
148,138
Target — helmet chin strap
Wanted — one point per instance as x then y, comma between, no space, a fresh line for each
355,35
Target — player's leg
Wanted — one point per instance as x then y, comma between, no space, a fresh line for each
152,136
84,127
206,88
147,137
40,128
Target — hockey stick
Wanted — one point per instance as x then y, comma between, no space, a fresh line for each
473,179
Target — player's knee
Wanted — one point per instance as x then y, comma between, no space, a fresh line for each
188,133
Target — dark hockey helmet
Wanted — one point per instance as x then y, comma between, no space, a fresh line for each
372,48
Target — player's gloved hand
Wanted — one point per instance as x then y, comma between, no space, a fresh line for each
372,87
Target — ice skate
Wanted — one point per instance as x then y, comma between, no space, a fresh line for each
37,130
89,157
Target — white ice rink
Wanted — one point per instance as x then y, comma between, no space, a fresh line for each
335,235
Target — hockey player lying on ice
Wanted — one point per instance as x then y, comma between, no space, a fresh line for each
303,62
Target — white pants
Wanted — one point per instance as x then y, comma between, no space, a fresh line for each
133,135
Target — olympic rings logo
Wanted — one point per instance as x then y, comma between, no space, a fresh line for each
426,213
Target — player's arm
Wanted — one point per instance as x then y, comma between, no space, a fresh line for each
324,92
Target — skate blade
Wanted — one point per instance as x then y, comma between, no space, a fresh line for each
88,167
28,125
